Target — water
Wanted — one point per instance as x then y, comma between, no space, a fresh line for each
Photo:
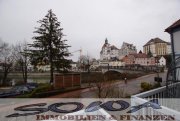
29,80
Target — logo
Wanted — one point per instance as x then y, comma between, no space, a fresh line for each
39,108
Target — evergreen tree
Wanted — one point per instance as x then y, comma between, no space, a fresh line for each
150,54
49,46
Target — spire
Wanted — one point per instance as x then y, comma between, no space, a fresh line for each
106,41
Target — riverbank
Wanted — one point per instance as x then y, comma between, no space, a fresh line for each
30,75
43,77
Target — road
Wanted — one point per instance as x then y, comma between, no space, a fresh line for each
132,87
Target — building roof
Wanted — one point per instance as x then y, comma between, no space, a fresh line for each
127,43
139,55
173,26
114,47
128,46
155,40
106,44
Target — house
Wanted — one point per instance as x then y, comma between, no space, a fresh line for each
156,47
103,63
139,59
127,49
174,31
168,95
111,52
108,51
43,68
128,59
94,65
161,61
116,63
74,66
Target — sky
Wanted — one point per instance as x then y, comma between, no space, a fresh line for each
87,23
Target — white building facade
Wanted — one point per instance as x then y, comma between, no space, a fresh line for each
116,63
94,65
111,52
127,49
148,61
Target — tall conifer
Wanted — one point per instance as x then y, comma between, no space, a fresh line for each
49,47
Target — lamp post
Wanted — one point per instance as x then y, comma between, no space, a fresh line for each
108,66
158,79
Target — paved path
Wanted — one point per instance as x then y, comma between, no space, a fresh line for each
132,87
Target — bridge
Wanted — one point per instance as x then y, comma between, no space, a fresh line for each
132,69
121,71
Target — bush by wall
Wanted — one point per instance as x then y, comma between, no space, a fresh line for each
145,86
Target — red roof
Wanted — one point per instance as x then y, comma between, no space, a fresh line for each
139,55
173,26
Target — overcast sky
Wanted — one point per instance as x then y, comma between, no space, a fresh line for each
88,22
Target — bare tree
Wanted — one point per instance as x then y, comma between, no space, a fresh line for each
7,59
102,85
105,87
118,92
84,62
20,51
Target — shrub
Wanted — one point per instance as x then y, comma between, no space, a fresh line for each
42,88
156,85
145,86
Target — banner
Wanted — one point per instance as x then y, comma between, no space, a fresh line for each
92,109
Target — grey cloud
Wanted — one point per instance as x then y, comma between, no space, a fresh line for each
88,22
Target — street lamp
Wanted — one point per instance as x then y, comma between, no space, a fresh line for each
158,79
108,66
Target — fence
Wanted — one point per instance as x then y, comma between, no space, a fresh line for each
67,80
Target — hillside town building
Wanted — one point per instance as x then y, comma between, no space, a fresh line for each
111,52
108,51
127,49
157,47
139,59
162,61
